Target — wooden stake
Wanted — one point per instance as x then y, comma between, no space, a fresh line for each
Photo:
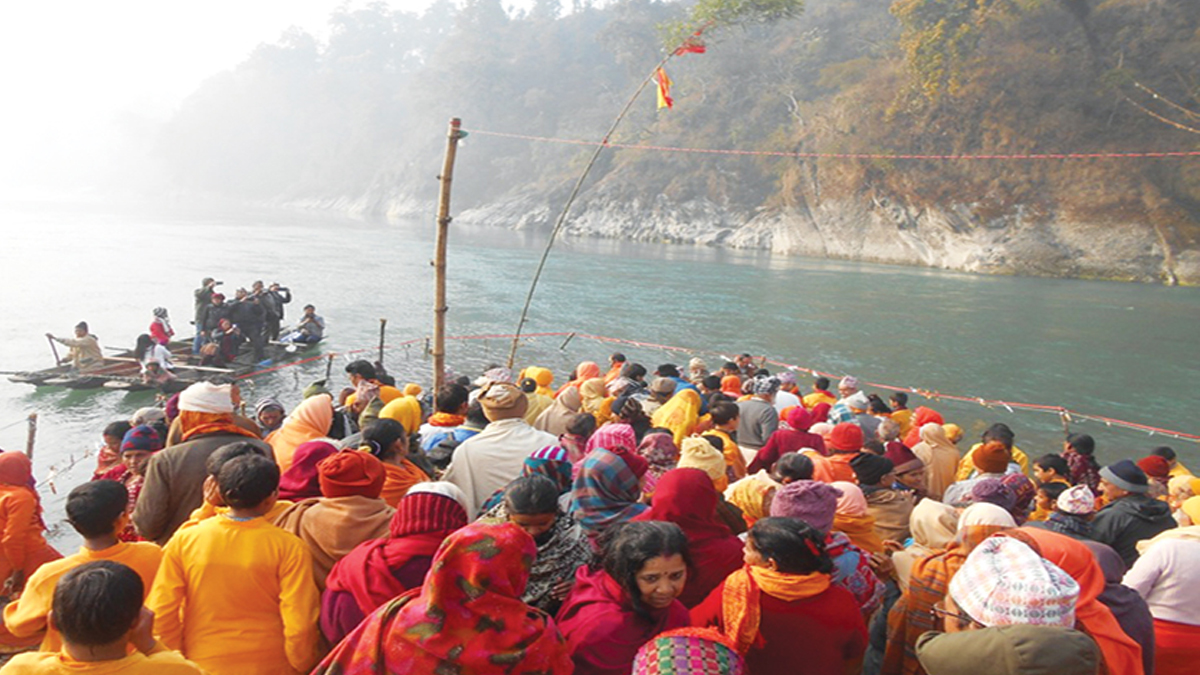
382,331
32,437
439,259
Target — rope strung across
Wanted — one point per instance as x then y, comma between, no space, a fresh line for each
1066,414
850,155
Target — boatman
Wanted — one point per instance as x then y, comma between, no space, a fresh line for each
85,348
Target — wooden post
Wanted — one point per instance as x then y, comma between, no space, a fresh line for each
439,256
329,367
29,439
382,331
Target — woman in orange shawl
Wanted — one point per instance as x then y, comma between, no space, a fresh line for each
309,421
467,618
388,440
679,415
912,615
1121,654
594,401
585,371
783,604
23,548
731,386
854,520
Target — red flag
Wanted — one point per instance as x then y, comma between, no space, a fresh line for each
664,89
692,45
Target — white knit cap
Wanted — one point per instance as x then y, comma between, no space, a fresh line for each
206,397
442,488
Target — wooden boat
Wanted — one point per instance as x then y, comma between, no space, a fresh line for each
122,372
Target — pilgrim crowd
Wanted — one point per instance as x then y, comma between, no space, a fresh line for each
605,523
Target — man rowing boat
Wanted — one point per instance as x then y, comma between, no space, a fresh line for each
84,347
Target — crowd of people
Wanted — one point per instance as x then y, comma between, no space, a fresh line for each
616,521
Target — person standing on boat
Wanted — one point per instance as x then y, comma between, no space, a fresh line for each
247,313
203,299
160,327
85,347
273,299
208,319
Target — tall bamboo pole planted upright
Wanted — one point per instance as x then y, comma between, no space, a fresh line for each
439,259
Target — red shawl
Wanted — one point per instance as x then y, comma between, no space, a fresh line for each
422,522
921,417
687,498
602,627
467,618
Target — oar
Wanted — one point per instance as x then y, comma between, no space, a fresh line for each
57,361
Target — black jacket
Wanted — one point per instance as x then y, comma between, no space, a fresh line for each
1125,522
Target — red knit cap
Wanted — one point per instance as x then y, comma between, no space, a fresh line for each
992,457
1155,467
350,473
421,512
846,437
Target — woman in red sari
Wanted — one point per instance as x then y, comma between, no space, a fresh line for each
687,498
466,618
378,570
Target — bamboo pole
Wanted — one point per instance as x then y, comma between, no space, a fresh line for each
382,332
32,436
439,260
54,350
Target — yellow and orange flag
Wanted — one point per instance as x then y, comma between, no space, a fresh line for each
664,89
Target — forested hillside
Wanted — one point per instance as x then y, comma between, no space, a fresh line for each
359,122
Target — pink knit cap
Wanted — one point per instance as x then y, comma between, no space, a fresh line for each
1004,582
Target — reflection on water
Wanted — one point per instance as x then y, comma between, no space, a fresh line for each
1116,349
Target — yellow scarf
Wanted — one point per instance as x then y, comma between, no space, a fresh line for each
741,600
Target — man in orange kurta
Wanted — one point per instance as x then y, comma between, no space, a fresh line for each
234,593
97,512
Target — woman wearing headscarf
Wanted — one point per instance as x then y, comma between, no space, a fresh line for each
607,490
687,498
1167,575
791,437
23,546
783,604
940,457
378,570
854,520
933,525
467,617
679,414
921,417
1121,653
731,386
309,421
301,481
629,597
348,512
753,495
595,401
407,411
662,455
543,377
586,370
531,502
554,419
912,615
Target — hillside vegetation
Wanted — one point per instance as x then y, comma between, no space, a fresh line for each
361,117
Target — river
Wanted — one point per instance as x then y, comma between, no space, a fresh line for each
1120,350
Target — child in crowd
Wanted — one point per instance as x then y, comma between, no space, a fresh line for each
1046,499
98,610
1049,469
234,593
109,455
97,511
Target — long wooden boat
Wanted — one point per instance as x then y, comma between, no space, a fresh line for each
121,371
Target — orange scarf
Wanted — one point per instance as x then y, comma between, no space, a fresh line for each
861,530
398,479
741,599
194,424
445,419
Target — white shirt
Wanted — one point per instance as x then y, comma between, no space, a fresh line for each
492,458
157,353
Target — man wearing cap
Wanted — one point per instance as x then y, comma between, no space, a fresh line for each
1130,515
661,390
840,412
492,458
174,484
891,508
85,348
758,418
844,445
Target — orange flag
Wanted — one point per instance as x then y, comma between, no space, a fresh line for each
664,89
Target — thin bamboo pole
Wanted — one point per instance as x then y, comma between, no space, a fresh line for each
31,438
439,257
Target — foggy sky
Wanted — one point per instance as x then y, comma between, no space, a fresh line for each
80,76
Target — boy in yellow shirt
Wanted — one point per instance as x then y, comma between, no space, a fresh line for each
98,611
212,495
97,512
234,593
